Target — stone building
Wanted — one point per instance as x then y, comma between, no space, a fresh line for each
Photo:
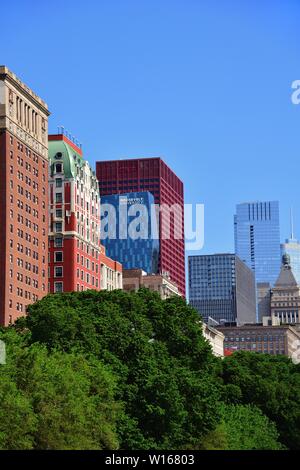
134,279
285,295
280,339
215,338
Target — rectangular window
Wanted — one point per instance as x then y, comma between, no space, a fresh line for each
58,213
58,183
58,271
58,287
58,197
58,227
58,256
58,242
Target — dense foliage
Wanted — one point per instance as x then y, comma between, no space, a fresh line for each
108,370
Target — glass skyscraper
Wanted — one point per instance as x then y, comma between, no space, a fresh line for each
133,253
257,238
291,247
222,287
153,175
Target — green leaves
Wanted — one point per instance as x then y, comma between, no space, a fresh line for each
247,428
55,400
103,370
272,383
155,349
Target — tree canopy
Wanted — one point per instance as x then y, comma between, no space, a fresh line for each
108,370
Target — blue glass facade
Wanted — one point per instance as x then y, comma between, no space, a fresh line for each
141,252
291,247
257,238
222,287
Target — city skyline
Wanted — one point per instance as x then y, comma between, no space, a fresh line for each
150,230
204,92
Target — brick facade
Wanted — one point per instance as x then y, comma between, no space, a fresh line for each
23,197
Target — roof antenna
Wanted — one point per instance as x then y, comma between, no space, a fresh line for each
292,223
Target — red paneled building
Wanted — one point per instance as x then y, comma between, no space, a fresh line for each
77,260
152,174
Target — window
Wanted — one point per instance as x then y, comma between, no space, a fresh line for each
58,197
58,256
58,183
58,227
58,213
58,271
58,168
58,242
58,287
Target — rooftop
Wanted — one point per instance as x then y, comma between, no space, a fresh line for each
5,73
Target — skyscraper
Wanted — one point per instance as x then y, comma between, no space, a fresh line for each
257,238
222,287
133,253
23,197
153,175
77,261
291,247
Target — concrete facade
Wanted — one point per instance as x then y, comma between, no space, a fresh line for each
134,279
263,290
23,197
215,339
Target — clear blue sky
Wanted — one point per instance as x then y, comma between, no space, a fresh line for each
204,84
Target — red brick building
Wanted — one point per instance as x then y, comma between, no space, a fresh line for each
77,261
23,197
152,174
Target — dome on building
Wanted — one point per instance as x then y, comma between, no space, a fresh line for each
286,260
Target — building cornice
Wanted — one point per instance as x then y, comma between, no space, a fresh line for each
10,77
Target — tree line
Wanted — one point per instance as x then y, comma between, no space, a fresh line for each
119,370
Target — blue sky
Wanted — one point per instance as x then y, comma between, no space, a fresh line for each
204,84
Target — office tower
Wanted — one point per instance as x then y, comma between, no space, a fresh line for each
77,261
124,246
285,295
153,175
23,197
291,247
222,287
257,238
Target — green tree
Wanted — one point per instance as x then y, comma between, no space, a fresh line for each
165,367
18,422
55,400
247,428
272,383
